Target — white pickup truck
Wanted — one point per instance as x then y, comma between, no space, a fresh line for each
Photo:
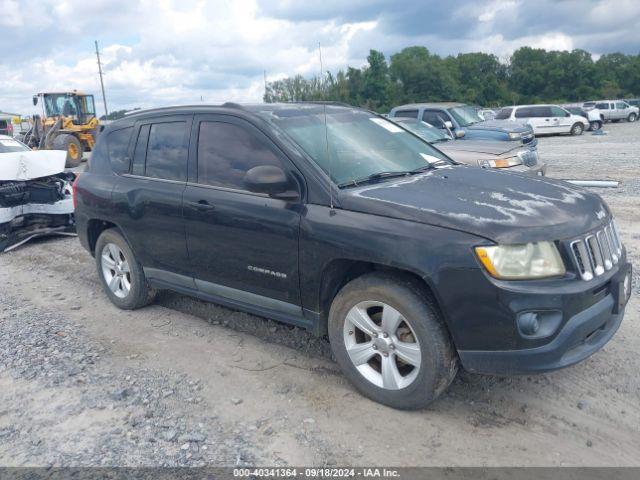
613,110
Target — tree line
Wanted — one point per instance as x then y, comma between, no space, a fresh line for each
415,74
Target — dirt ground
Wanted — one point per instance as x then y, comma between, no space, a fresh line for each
188,383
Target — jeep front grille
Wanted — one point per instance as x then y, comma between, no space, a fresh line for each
597,252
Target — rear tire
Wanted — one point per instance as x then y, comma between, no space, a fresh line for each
632,117
121,275
595,125
409,359
577,129
71,145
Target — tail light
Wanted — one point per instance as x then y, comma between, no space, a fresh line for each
74,191
10,129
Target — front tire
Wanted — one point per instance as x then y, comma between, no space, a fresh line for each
121,275
577,129
71,145
632,117
390,341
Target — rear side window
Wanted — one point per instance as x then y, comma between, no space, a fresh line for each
602,106
406,114
539,112
226,152
504,114
117,147
167,151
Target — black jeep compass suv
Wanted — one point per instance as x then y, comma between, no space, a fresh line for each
337,220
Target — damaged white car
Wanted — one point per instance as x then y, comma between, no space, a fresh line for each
36,196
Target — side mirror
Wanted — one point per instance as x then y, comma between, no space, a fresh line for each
459,133
448,125
267,179
35,100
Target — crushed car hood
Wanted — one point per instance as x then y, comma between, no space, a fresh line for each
31,164
500,206
478,146
503,125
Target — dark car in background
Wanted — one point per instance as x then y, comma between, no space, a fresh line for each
478,153
464,121
342,222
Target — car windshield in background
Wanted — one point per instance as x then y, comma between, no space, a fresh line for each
425,131
465,115
8,145
504,114
356,144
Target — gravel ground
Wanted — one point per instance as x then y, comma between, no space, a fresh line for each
184,382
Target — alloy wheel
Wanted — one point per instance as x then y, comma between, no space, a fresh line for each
115,269
382,345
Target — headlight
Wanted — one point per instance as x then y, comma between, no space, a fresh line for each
521,262
515,136
500,162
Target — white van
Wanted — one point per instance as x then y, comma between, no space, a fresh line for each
545,119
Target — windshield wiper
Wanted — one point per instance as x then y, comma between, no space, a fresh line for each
375,176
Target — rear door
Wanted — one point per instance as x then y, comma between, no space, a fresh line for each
149,197
242,245
528,115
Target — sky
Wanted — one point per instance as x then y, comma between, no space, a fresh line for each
166,52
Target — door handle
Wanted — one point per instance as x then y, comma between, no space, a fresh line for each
203,205
546,119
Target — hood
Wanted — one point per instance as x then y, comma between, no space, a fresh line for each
28,165
478,146
502,125
500,206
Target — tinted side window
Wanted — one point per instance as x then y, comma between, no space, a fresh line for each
540,112
117,147
602,106
167,151
435,118
140,154
524,112
226,152
407,114
504,114
558,112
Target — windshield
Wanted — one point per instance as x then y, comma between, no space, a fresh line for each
360,144
68,105
425,131
465,115
8,145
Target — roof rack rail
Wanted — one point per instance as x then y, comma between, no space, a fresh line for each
322,102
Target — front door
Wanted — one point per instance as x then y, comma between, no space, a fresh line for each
242,245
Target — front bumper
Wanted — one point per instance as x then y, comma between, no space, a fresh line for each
580,336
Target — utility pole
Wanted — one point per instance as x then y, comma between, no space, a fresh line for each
104,98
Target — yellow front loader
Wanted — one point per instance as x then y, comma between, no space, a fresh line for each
68,122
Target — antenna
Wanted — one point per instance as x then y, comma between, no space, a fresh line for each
104,98
326,132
